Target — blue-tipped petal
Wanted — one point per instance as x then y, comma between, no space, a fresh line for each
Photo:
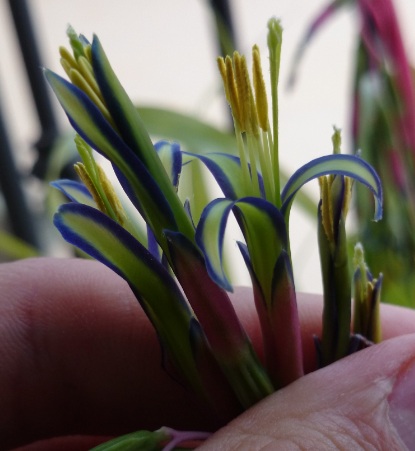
226,169
171,158
104,239
152,244
74,191
209,237
134,134
122,110
264,230
89,122
262,225
348,165
210,303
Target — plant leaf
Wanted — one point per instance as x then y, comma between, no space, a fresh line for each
192,134
348,165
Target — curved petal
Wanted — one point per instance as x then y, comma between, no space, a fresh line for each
209,237
91,125
263,227
171,158
226,169
134,134
264,230
74,191
102,238
348,165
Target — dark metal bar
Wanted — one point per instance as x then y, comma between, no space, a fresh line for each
224,26
20,216
41,95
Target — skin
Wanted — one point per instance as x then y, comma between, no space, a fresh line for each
80,362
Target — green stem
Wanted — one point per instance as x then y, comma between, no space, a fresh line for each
274,46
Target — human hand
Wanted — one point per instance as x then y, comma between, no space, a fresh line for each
80,362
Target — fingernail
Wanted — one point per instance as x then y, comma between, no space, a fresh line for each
402,405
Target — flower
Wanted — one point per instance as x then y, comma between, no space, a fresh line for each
105,118
176,269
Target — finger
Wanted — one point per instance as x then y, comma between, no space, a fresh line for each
395,320
365,401
78,355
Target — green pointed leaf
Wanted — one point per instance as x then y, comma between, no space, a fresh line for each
193,135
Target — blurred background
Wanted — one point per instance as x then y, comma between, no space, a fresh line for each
164,53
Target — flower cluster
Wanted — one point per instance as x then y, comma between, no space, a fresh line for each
175,266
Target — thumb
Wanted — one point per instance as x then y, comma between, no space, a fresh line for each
365,401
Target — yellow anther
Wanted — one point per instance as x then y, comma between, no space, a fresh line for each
336,139
233,92
222,71
86,70
102,192
67,56
348,185
88,53
66,66
111,196
242,89
246,99
326,208
82,172
78,80
98,184
260,91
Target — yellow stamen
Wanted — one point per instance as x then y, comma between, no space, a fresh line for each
222,71
336,139
233,92
246,98
326,208
88,52
243,89
86,70
66,66
102,192
67,56
78,80
348,185
111,195
87,181
260,91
